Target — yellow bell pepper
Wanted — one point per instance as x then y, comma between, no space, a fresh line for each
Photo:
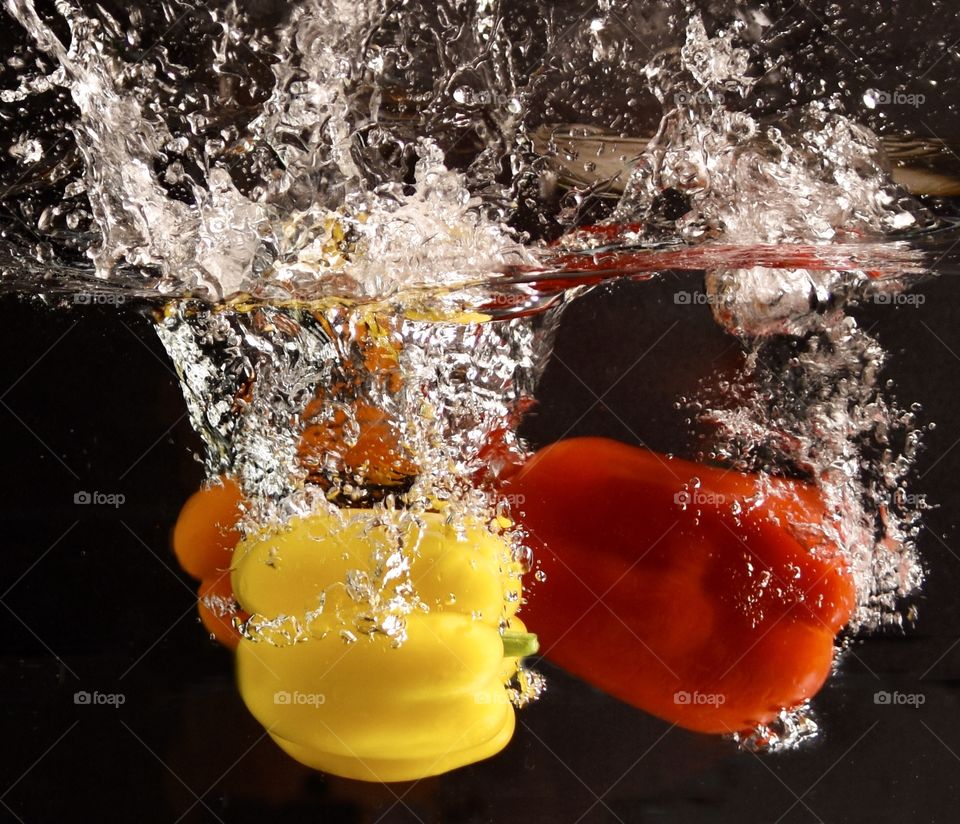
380,653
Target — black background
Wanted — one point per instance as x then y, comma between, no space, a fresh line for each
92,600
91,597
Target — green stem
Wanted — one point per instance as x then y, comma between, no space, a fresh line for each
519,644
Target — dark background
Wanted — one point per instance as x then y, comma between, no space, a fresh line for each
92,600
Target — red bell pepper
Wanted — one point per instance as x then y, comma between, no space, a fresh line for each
707,597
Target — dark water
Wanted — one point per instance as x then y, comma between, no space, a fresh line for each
94,602
106,609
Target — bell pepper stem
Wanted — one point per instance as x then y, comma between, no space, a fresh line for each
519,644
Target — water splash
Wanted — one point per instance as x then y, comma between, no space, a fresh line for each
816,406
350,403
829,173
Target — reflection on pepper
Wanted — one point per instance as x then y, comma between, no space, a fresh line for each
707,597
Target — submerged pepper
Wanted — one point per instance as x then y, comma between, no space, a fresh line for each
203,541
394,681
707,597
